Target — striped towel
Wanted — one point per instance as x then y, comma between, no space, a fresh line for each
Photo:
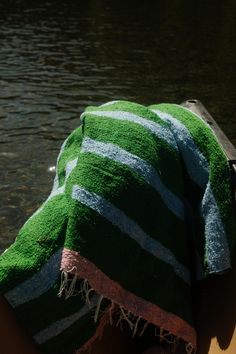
140,210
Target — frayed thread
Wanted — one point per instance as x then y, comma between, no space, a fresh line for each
167,337
74,286
116,314
189,349
98,308
68,285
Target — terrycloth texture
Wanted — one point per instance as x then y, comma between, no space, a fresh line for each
140,208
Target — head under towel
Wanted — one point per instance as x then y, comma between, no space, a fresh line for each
140,210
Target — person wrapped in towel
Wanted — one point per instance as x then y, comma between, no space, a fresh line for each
139,211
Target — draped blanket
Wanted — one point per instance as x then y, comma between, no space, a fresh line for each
140,210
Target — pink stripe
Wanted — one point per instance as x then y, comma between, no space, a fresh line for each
73,262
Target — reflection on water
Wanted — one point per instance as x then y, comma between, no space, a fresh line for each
58,57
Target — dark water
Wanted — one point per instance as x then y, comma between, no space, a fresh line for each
58,57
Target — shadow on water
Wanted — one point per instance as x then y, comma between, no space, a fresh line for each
57,57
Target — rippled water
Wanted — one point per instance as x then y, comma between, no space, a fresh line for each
58,57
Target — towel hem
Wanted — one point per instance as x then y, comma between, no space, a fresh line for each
73,263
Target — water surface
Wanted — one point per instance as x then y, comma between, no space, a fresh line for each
57,57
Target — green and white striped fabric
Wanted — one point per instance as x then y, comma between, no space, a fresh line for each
140,209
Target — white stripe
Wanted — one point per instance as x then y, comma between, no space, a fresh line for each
129,227
56,190
217,248
69,167
196,163
38,284
110,103
187,110
155,128
61,325
140,166
56,180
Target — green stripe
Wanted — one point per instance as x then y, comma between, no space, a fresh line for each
130,107
49,308
132,267
211,149
138,141
121,186
36,242
39,313
74,337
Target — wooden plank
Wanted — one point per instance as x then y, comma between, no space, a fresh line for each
197,107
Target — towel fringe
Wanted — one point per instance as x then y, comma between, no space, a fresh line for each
97,311
116,314
189,348
68,285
